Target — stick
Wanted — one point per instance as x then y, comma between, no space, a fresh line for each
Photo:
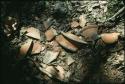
120,13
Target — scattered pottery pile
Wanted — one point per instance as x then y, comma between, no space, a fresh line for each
57,44
62,39
50,51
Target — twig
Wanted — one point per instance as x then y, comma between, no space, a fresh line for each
112,21
120,13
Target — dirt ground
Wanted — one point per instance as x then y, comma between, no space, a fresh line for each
47,42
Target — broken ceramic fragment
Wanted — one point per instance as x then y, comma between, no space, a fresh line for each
73,38
50,34
90,32
49,71
50,56
61,72
33,32
109,38
25,47
37,47
65,43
